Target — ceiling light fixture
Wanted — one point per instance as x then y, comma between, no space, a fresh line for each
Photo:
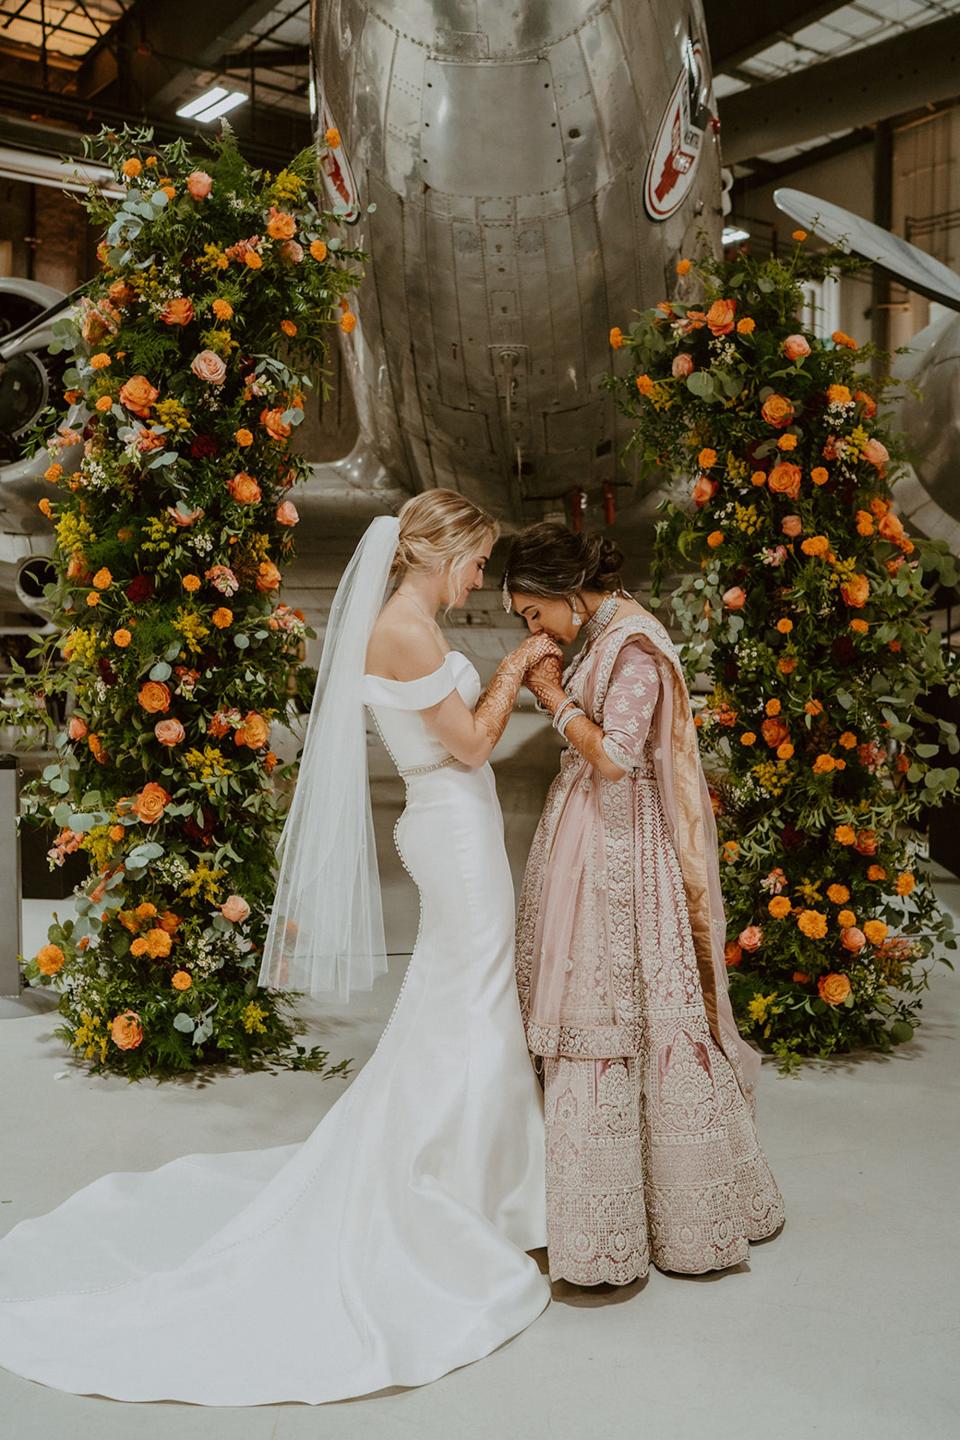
733,234
202,102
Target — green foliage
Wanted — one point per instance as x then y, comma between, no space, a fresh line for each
190,357
803,598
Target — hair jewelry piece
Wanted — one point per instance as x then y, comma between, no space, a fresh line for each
507,602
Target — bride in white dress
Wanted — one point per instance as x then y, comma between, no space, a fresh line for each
390,1246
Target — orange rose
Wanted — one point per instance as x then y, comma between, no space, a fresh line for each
890,526
774,732
732,953
178,311
720,317
704,489
833,988
137,394
254,732
126,1032
784,479
856,591
154,697
777,410
244,488
735,598
866,842
50,959
274,424
150,803
268,576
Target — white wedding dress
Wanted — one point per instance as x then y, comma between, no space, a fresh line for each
386,1249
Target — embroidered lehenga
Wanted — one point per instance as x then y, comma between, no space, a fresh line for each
651,1147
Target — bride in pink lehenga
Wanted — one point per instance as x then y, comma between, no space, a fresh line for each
649,1090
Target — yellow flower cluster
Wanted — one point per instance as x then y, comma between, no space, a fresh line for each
213,258
99,845
288,188
221,342
172,414
81,645
74,533
205,877
759,1006
89,1037
157,533
252,1018
809,890
189,624
746,518
147,283
208,763
772,775
737,469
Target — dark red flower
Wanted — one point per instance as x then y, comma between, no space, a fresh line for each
202,447
107,672
842,650
140,588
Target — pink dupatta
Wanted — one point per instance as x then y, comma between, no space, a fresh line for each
690,821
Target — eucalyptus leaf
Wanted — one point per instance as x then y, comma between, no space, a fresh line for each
241,641
160,671
183,1022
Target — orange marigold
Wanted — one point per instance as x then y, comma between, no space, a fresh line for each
838,894
906,883
813,924
779,907
876,931
845,835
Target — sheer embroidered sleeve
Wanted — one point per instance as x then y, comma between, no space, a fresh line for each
629,704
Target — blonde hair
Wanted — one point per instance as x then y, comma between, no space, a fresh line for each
440,529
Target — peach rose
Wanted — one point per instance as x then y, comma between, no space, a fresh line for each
792,526
208,366
78,728
235,908
778,411
875,453
784,479
50,959
856,591
154,697
244,488
704,489
735,598
150,803
852,939
720,317
287,513
199,184
795,347
126,1032
169,732
268,576
291,252
866,842
137,394
254,732
178,311
890,526
682,366
751,938
834,988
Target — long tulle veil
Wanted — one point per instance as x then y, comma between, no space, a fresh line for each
325,934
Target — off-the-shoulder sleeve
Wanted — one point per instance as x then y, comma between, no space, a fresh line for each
630,701
417,694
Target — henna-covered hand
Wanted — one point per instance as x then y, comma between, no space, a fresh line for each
544,680
495,704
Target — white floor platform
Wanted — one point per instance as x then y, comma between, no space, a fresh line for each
846,1324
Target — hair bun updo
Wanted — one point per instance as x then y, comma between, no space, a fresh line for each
551,561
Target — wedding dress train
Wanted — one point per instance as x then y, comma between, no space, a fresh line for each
387,1248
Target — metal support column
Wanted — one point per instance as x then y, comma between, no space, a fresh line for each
10,922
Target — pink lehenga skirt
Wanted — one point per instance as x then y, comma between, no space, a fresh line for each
651,1154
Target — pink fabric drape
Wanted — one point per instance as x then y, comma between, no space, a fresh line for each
688,812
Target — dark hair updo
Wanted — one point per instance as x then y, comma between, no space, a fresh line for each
551,561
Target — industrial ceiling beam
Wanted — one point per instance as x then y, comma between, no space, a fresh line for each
877,82
737,32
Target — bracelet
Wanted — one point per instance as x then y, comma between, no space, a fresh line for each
565,704
570,715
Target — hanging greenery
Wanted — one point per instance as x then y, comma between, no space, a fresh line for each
171,475
808,605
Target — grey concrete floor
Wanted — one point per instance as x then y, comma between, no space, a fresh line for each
845,1324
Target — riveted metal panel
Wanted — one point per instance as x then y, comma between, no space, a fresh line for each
469,111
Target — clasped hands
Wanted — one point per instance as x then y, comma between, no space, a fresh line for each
542,662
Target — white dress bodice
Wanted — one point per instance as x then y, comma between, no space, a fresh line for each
396,705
